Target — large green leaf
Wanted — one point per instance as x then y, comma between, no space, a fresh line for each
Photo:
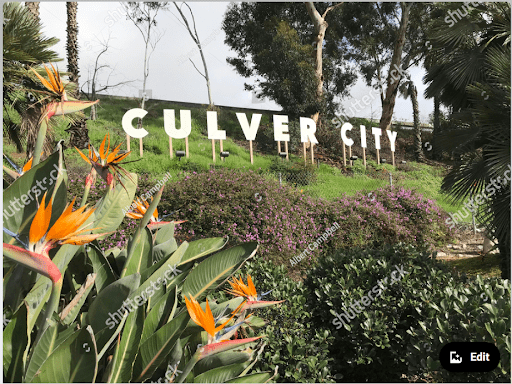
165,233
33,184
74,361
159,313
260,377
15,342
54,336
40,292
106,311
213,271
203,247
220,374
156,348
126,350
108,214
223,359
142,257
71,311
101,266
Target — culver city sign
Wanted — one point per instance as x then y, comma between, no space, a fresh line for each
250,129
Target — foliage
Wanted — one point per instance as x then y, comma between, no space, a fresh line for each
123,319
294,172
251,207
472,76
417,310
273,41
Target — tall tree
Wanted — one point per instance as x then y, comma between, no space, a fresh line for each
33,7
79,133
143,15
472,77
24,46
408,90
275,45
320,25
195,36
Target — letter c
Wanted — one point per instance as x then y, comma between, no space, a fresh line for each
127,123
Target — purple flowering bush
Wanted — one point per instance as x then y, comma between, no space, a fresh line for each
248,207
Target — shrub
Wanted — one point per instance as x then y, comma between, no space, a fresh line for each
294,345
294,172
250,207
404,317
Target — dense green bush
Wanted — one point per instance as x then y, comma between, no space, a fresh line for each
405,316
294,344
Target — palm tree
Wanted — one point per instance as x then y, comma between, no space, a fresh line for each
33,7
472,77
24,46
79,135
408,89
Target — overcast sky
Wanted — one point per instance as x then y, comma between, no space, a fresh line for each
172,76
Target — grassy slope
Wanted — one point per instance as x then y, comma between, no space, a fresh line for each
156,161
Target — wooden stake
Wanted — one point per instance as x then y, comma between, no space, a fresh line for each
221,149
312,155
128,142
350,155
213,150
278,148
250,151
378,156
393,158
344,156
286,149
304,150
140,148
170,146
364,157
186,146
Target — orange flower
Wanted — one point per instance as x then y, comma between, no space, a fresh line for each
66,230
55,85
106,164
205,318
141,208
239,288
18,171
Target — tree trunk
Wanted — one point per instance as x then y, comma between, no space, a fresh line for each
79,134
418,151
320,28
388,104
437,152
33,7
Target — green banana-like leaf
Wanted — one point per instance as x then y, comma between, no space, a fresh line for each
219,360
157,347
108,213
164,275
71,311
173,259
54,336
21,198
260,377
130,250
100,265
40,293
162,310
106,309
212,272
203,247
141,258
127,348
15,343
106,336
74,361
220,374
164,249
165,233
212,349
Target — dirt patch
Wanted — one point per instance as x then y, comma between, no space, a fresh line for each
466,244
